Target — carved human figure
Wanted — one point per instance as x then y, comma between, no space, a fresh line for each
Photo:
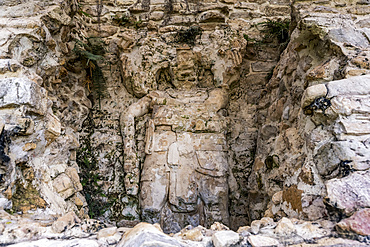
184,176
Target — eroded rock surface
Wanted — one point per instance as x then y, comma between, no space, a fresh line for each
186,113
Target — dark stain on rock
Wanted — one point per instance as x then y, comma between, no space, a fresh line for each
306,176
293,196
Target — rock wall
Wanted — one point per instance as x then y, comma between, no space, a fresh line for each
38,149
312,151
177,45
183,111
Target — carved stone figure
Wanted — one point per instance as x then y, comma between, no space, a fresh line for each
184,176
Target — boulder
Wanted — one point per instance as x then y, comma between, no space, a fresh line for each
261,241
225,239
19,91
358,223
145,234
65,222
351,192
285,227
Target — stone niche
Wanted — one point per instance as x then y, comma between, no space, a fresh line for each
167,60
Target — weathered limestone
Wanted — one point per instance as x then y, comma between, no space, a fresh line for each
225,239
21,100
357,223
147,234
215,125
314,119
39,229
35,145
181,158
350,193
16,92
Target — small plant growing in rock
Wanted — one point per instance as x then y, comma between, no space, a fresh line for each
321,103
271,30
91,54
345,168
121,20
89,174
188,36
4,141
275,30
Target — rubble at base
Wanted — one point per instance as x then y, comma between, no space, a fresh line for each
38,229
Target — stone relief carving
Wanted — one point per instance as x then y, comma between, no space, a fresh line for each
184,178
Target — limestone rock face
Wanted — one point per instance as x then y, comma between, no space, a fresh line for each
17,92
26,114
316,145
186,113
35,145
145,234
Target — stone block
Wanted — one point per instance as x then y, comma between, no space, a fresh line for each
211,16
277,198
313,92
64,186
271,10
25,126
244,230
244,5
18,91
351,150
144,234
351,192
310,231
352,104
354,125
267,222
255,226
29,146
217,226
225,239
107,232
73,175
285,227
125,2
194,234
359,85
349,35
358,223
261,241
156,15
65,222
52,128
